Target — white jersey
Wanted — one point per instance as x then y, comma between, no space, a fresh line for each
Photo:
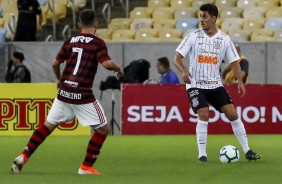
206,55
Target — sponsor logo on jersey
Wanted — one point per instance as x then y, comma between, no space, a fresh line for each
82,39
206,82
214,52
207,59
202,51
72,83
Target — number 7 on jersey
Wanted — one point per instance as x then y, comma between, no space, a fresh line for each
79,51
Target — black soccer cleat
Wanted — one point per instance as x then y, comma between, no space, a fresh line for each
251,155
202,159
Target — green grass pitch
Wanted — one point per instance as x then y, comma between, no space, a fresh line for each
142,160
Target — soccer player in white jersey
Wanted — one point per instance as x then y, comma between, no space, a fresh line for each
206,48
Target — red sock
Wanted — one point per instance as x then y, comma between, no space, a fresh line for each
35,140
93,149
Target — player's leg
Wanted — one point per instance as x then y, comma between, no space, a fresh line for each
200,106
202,133
38,136
93,150
239,131
59,112
92,115
237,125
222,101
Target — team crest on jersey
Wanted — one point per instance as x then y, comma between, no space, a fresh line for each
195,102
217,44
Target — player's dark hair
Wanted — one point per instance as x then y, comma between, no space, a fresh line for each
210,8
164,61
87,17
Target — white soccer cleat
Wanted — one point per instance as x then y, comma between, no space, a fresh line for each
18,164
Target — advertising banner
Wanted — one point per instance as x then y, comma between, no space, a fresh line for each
24,107
165,109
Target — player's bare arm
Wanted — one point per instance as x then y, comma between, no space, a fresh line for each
110,65
226,70
243,75
179,64
237,71
57,70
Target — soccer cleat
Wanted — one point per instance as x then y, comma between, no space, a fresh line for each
87,170
18,164
202,159
251,155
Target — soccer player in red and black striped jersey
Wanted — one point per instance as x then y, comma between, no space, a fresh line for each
81,55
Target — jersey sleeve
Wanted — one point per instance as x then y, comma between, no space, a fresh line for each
244,65
62,55
102,52
231,52
185,45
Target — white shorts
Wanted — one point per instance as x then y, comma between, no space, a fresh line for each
87,114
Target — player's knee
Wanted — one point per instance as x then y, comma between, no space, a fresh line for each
104,130
232,117
203,114
51,127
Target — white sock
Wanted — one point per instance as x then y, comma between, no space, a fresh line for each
240,132
202,135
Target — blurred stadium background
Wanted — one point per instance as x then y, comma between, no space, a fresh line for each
152,20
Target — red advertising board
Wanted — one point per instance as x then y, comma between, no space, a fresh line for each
165,109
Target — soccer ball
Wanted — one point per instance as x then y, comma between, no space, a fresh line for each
229,154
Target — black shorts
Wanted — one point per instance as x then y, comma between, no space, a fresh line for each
200,98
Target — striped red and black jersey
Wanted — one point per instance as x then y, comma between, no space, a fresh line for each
81,55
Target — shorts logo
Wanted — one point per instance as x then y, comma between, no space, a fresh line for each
193,93
195,102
